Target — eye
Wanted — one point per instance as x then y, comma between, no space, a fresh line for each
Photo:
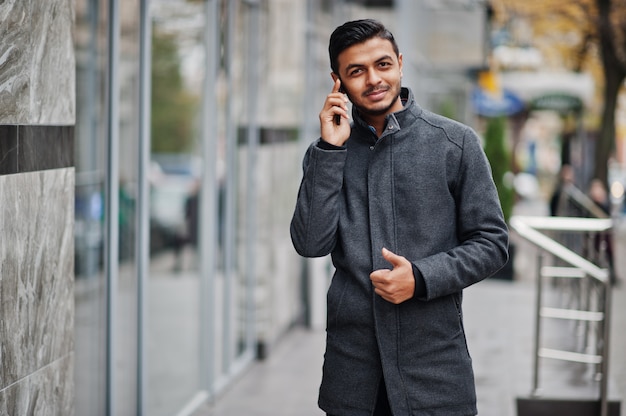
356,71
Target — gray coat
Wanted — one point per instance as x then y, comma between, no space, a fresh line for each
424,191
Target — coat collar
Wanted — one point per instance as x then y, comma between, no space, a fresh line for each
394,122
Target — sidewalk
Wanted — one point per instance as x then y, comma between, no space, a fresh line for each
285,384
498,317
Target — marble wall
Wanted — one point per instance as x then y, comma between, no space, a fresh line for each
36,292
37,67
37,112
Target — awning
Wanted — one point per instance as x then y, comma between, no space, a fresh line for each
532,85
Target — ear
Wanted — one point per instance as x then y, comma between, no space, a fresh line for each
400,62
334,76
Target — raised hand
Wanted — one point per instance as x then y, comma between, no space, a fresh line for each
396,285
335,105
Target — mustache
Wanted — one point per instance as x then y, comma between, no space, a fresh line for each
373,90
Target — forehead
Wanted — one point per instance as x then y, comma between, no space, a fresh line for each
366,53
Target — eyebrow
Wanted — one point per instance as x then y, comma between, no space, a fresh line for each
382,58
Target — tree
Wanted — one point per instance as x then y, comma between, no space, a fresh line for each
173,108
611,27
500,161
499,156
581,35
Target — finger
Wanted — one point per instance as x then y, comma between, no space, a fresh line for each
381,293
333,113
393,258
379,275
337,100
337,85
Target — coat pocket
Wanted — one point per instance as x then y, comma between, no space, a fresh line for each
459,310
334,299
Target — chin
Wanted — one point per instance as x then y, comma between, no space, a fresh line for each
378,110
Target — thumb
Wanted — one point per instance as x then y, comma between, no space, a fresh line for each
392,258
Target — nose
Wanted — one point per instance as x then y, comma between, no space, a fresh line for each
373,77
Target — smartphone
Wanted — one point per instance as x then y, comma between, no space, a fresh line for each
337,116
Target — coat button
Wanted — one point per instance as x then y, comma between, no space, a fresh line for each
391,127
371,147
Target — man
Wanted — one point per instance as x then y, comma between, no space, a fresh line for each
404,202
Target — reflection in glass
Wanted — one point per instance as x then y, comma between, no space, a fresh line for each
175,324
89,339
173,313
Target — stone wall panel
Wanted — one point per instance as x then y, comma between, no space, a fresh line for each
37,63
36,272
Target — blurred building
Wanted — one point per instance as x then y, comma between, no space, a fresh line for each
183,269
543,55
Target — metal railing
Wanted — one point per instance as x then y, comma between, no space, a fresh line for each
582,201
584,273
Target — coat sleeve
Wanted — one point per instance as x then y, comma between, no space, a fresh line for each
481,230
316,215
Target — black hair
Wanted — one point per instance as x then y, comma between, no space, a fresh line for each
355,32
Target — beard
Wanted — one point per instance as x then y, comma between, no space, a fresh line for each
375,111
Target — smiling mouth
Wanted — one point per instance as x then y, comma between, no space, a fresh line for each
378,91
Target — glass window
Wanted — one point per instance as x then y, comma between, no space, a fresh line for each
90,140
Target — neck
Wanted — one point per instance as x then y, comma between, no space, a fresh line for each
377,122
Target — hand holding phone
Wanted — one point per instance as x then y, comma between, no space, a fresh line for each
334,122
